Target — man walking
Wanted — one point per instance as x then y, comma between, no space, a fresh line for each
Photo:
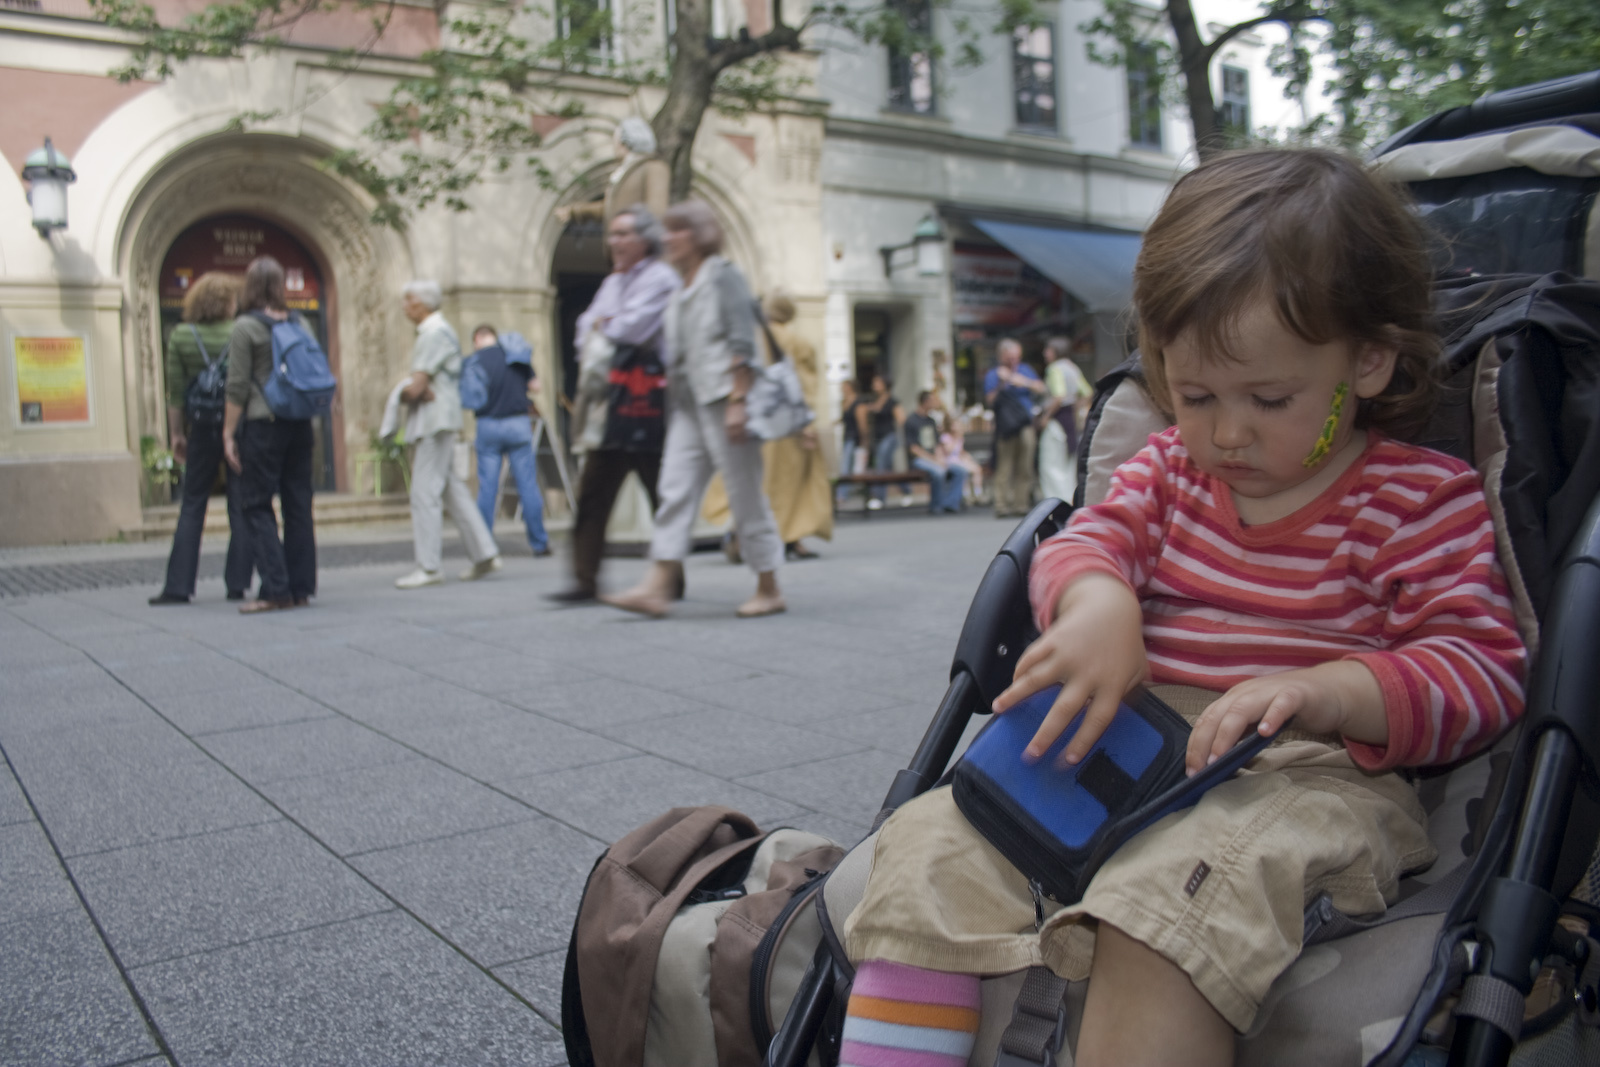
1009,391
945,479
435,387
628,310
505,431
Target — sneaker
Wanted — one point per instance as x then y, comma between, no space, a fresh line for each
167,598
478,570
419,578
542,553
874,504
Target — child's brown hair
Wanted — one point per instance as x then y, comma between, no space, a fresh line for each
1337,250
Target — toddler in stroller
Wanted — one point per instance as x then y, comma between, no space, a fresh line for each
1276,547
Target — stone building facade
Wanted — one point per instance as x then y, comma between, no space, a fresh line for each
167,184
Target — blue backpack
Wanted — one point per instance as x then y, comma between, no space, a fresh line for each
477,380
474,384
300,386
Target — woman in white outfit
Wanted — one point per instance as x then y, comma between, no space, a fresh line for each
1058,437
710,332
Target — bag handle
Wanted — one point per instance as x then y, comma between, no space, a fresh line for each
775,352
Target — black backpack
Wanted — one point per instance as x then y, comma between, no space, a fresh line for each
206,398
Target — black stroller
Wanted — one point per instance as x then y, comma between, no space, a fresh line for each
1493,955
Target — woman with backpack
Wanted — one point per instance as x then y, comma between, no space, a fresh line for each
270,454
194,422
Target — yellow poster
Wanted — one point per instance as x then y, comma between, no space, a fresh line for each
52,380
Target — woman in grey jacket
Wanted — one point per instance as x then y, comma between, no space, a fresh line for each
710,337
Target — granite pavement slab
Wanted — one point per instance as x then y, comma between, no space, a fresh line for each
376,990
64,1001
178,898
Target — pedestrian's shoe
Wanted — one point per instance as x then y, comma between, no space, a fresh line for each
576,594
255,607
905,501
236,594
542,553
417,579
302,602
165,597
479,569
874,504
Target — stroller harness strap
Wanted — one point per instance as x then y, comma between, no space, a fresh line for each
1038,1025
1495,1001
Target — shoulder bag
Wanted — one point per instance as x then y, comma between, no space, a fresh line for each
776,404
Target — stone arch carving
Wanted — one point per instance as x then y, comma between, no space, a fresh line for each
277,178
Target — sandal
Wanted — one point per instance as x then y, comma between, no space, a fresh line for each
252,607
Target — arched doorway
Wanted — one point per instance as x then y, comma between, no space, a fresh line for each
577,268
228,243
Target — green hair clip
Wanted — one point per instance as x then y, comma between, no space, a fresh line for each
1324,445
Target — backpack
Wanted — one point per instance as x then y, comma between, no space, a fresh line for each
300,386
474,384
692,936
206,398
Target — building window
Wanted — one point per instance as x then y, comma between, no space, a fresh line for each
1033,65
911,74
1235,112
588,24
1144,98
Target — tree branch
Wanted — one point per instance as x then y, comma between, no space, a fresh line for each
1290,18
726,52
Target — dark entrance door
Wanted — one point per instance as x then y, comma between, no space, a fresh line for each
228,243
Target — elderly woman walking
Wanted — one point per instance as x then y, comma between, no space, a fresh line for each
711,339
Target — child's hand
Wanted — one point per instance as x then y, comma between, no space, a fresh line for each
1095,649
1340,697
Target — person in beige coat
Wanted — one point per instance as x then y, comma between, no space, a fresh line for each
796,482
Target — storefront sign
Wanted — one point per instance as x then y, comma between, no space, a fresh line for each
992,287
52,376
228,243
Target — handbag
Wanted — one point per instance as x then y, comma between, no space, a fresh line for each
775,405
1057,825
636,404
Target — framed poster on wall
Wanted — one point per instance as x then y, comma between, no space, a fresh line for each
52,381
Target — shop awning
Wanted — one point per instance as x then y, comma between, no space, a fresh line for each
1095,267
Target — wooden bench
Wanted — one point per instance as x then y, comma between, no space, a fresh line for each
868,479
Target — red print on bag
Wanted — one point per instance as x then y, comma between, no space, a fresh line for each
641,385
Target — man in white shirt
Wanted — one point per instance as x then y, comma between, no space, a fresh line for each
435,389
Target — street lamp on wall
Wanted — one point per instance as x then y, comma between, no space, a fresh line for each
928,243
49,172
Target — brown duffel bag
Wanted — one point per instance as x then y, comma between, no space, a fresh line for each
692,935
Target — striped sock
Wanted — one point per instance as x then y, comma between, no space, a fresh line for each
902,1016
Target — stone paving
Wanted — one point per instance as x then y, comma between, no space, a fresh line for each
357,833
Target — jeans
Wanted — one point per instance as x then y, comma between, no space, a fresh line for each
199,474
883,460
511,437
944,484
276,457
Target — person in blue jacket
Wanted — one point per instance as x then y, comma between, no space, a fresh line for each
505,430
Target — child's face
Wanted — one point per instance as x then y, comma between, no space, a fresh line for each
1251,421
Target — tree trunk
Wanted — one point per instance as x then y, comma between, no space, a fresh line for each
1195,59
688,93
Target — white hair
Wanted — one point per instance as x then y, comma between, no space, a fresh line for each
426,293
636,135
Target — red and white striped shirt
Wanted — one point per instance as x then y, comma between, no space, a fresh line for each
1393,565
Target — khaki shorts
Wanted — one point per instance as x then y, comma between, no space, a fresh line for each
1220,890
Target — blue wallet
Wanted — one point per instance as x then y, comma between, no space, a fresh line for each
1057,825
